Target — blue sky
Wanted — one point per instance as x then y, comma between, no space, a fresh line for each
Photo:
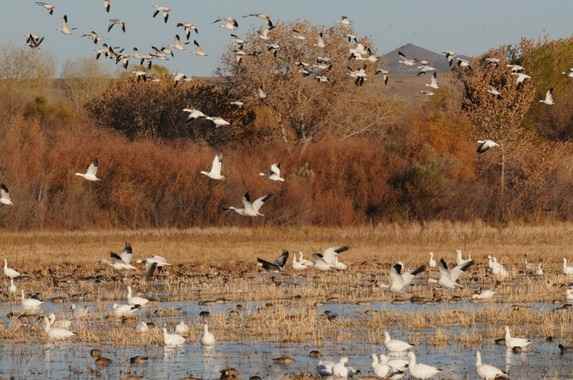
468,27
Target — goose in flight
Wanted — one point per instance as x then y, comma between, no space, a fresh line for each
218,121
199,50
520,78
228,23
319,262
92,36
404,60
65,28
237,103
115,21
400,279
512,342
449,277
360,76
485,145
141,75
107,5
117,262
180,45
488,372
165,11
548,100
216,168
9,272
420,371
568,73
261,94
275,266
433,82
263,17
395,345
301,263
450,56
47,6
91,172
494,91
152,264
427,93
423,69
385,75
330,254
464,64
194,114
274,174
126,253
5,199
344,20
179,78
515,68
493,61
250,208
298,35
460,259
33,41
188,28
264,34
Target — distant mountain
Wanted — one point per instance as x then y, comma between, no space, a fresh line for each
390,60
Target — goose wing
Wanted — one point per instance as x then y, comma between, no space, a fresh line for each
217,165
259,202
92,169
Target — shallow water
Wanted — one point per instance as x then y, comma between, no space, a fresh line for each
72,361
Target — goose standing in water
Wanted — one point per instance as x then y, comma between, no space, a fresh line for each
216,168
399,280
31,305
395,345
488,372
274,174
250,208
420,371
91,172
382,369
512,342
56,333
172,340
568,270
9,272
207,339
133,301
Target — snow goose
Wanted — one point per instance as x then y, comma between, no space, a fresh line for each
62,323
460,259
237,103
330,255
548,100
152,263
427,93
568,73
498,269
188,28
360,76
172,340
33,41
92,36
431,262
464,64
194,114
207,339
218,121
568,294
65,28
320,264
515,68
433,82
115,21
47,6
400,279
299,263
180,44
488,372
345,21
484,294
274,174
165,11
12,288
91,172
9,272
383,370
397,364
423,69
420,371
450,56
325,368
124,311
228,23
493,61
449,277
250,208
263,17
56,333
30,305
512,342
494,91
520,78
79,311
142,327
118,263
182,328
275,266
340,369
485,145
107,5
199,50
298,35
395,345
261,94
567,269
216,168
404,60
320,41
139,301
